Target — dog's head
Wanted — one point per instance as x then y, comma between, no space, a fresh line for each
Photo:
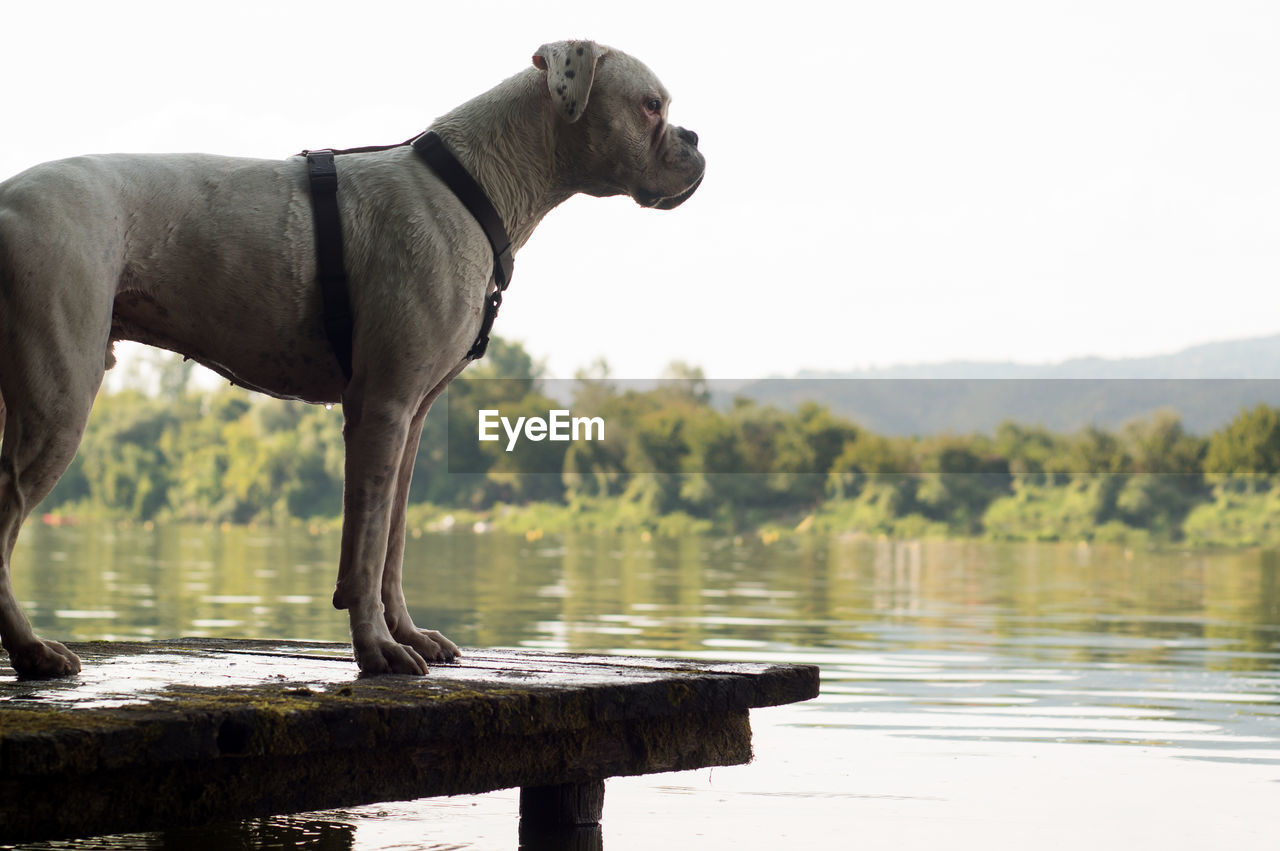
614,137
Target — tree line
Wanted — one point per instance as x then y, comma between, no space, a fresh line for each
678,461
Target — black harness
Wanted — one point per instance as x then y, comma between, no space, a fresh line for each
331,272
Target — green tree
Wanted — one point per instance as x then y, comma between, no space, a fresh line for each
1168,478
124,467
960,480
596,469
451,466
1245,454
874,458
1035,456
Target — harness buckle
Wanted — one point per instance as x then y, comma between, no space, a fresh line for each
503,267
323,170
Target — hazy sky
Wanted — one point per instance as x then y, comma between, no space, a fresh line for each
887,181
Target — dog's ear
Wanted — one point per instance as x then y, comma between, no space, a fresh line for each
571,69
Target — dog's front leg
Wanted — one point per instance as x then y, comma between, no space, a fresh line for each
431,645
376,432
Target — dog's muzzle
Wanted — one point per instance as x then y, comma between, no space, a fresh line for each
669,202
654,200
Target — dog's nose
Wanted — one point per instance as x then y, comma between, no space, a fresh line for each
688,136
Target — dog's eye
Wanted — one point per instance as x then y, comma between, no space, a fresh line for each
653,105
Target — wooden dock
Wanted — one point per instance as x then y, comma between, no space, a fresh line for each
168,734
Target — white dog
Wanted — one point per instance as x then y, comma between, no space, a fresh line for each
215,258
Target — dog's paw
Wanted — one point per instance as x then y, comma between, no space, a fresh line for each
376,654
430,644
44,660
391,658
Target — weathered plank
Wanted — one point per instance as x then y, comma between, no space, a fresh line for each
178,733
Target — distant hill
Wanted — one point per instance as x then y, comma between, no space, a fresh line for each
1258,357
1207,385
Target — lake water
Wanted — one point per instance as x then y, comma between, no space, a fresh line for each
975,696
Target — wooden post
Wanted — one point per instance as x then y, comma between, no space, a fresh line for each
562,818
566,805
561,839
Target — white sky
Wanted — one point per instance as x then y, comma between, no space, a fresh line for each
887,181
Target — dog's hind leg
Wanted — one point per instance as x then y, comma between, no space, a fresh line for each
430,644
30,464
59,254
48,390
39,442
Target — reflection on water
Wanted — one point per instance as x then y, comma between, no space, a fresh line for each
310,832
968,688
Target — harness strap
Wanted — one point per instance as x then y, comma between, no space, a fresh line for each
331,272
432,149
